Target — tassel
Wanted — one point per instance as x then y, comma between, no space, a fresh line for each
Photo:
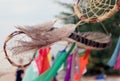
83,61
42,60
112,60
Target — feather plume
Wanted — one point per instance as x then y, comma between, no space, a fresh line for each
115,54
36,30
41,36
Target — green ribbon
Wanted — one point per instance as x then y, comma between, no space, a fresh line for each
58,62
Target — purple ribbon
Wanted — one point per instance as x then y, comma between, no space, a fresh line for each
68,70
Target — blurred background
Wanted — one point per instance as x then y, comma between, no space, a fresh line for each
32,12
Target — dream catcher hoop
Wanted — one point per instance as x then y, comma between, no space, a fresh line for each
91,11
18,59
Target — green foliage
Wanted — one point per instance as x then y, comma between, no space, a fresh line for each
98,59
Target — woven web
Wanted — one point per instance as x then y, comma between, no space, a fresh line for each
101,9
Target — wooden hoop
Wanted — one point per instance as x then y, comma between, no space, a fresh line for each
6,54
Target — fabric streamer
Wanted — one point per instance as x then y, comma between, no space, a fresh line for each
50,58
112,60
117,65
68,70
73,65
39,66
41,77
83,61
42,60
31,72
57,56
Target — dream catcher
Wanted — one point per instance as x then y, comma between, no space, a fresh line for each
91,11
23,44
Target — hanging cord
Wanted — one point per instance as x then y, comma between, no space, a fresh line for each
67,45
104,28
80,23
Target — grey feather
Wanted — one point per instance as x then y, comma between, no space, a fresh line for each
41,36
36,30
